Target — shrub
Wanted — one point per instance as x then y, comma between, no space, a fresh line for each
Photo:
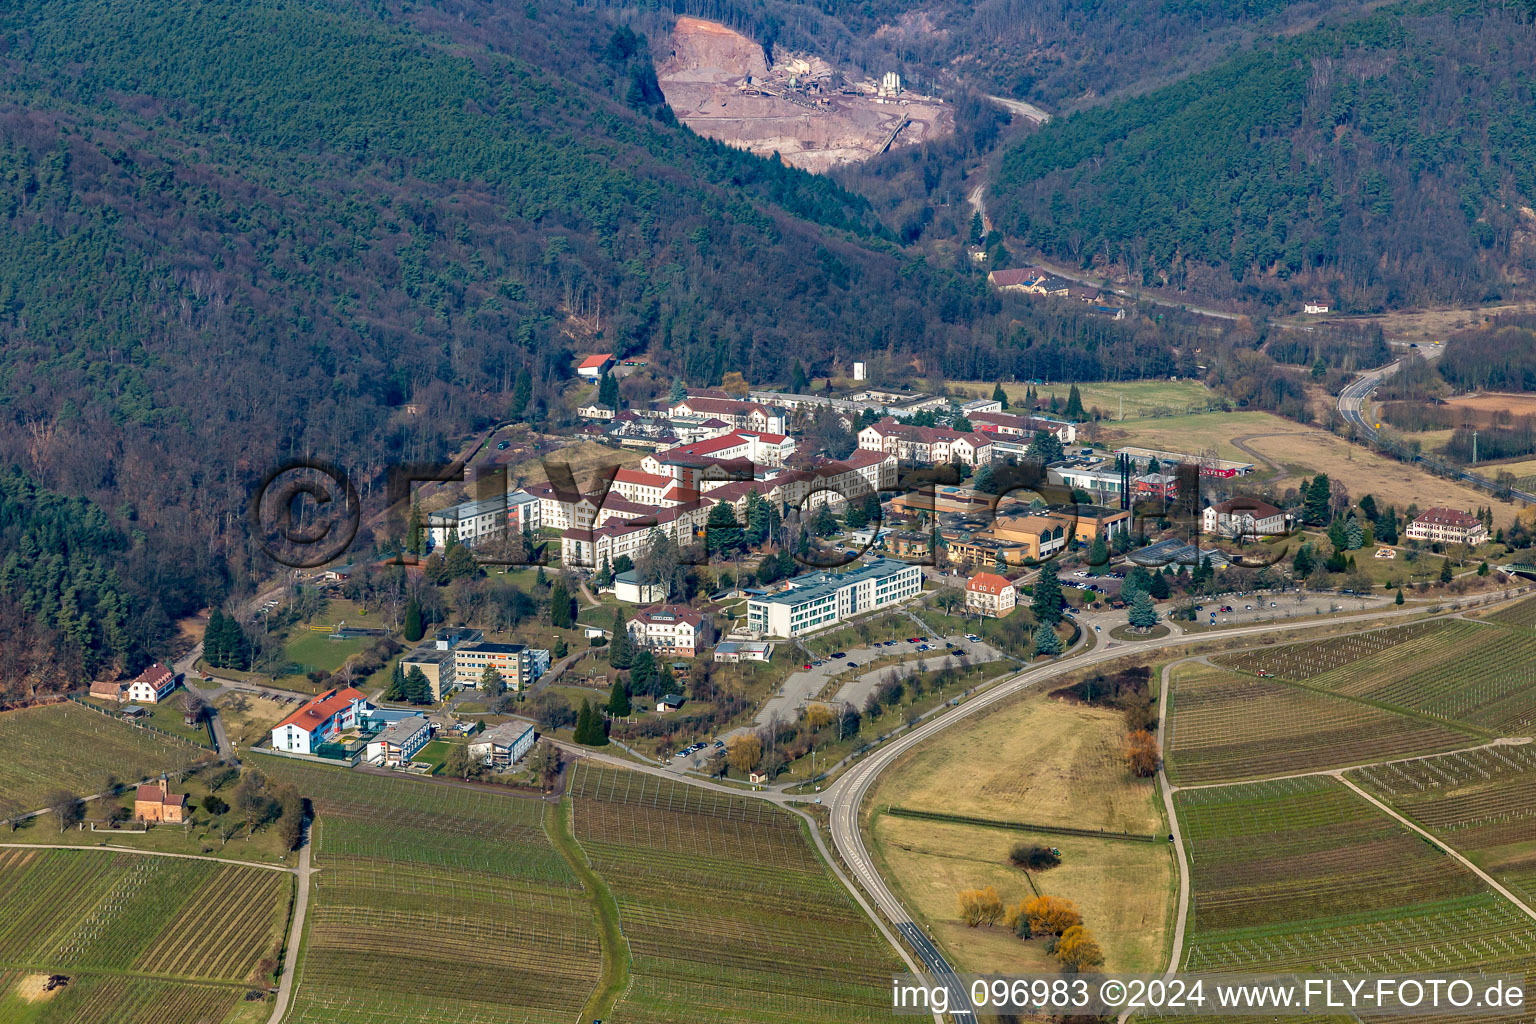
1033,858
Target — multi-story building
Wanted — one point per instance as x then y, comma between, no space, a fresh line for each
818,600
990,594
740,415
667,629
926,446
1209,467
320,721
399,741
473,522
523,512
1002,424
152,685
511,660
617,537
761,448
502,746
1243,517
1448,526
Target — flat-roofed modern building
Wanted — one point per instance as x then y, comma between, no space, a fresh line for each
513,661
818,600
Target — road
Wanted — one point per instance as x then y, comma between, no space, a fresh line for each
846,796
295,936
1353,403
1021,108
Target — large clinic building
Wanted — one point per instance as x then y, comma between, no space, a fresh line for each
818,600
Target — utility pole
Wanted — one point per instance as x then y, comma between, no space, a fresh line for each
1474,447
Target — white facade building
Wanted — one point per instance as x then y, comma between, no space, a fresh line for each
820,600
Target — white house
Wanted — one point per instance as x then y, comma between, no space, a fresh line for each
628,588
818,600
1243,517
989,594
593,367
473,522
397,744
925,445
1448,526
152,685
1314,307
502,746
743,650
319,721
667,629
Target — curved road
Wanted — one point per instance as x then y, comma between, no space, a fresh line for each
1352,404
846,796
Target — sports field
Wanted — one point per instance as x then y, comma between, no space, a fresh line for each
1303,874
1224,726
436,903
141,938
1483,675
1481,802
66,746
728,912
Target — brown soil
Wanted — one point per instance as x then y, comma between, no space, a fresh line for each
34,989
718,83
1518,404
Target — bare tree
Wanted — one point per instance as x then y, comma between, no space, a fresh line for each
67,807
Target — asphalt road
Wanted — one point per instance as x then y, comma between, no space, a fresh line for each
845,796
1352,402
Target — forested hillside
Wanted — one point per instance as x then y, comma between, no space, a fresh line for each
238,232
1379,163
1060,54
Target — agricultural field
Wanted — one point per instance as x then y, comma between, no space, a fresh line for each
728,911
1483,675
141,938
1048,762
1223,726
436,903
1303,874
1481,802
1522,613
69,747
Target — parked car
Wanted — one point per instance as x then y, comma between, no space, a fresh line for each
807,666
839,654
503,446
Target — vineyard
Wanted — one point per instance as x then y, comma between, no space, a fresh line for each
1522,613
1223,727
1482,802
111,919
65,745
436,903
1302,874
1482,675
729,913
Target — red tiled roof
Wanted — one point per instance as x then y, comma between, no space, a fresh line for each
640,478
988,583
593,362
888,427
320,710
1252,506
1442,516
157,675
668,612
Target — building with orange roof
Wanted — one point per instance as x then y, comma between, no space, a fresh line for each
593,367
320,721
155,802
990,594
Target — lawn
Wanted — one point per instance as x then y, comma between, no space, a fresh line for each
1304,875
434,754
141,938
314,651
69,747
1225,725
487,924
1139,398
728,911
1194,433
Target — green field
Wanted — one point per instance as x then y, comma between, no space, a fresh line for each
142,938
1302,874
1453,671
67,746
436,903
313,651
1481,802
1224,726
728,911
1139,398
